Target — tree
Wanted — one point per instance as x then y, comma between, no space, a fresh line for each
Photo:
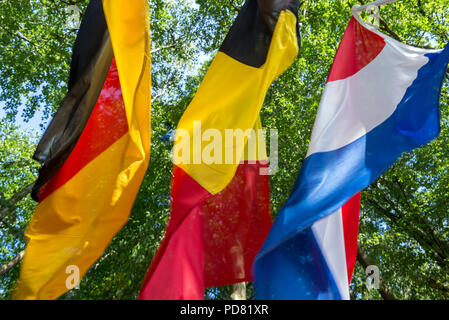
404,218
17,173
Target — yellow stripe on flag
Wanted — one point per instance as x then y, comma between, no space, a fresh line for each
255,148
71,228
128,25
230,97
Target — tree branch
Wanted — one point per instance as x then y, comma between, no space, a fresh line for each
235,6
12,202
410,229
384,26
11,264
387,29
427,227
424,233
22,37
421,9
164,47
431,21
439,286
160,94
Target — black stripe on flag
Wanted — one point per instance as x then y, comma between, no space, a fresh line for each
249,37
91,59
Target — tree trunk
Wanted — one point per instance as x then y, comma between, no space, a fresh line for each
239,291
363,259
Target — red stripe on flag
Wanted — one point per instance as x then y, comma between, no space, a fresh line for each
106,125
177,272
359,46
236,222
174,255
210,240
350,214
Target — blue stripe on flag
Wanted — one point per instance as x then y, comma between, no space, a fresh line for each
296,271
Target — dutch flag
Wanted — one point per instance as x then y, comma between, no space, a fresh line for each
381,99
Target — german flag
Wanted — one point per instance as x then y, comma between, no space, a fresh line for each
220,209
95,151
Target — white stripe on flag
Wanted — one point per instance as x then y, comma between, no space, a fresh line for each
330,237
352,107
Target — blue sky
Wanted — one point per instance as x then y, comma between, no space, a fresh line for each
32,126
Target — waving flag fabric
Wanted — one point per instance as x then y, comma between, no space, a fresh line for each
381,99
95,151
220,213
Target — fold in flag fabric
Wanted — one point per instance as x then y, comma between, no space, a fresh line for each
220,212
381,99
95,151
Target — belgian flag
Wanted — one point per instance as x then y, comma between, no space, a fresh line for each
95,151
220,209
